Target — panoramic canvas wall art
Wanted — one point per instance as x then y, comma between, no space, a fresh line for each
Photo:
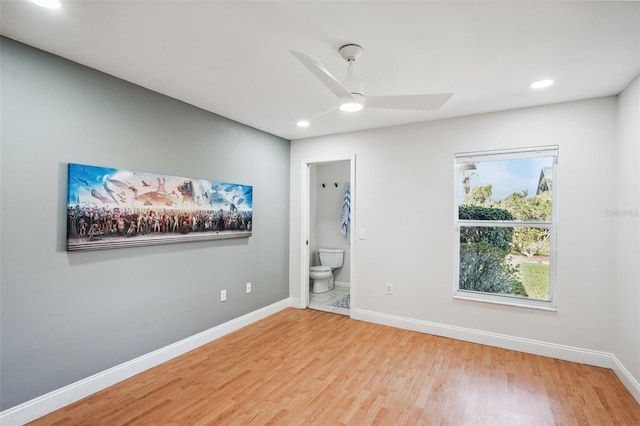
110,208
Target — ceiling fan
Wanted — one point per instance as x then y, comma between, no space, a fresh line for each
350,92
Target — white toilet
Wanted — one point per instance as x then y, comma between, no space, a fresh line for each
322,275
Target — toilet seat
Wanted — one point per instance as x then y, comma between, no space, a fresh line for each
320,268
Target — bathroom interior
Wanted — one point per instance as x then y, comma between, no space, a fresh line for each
330,291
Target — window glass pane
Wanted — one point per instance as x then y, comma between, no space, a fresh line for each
520,186
505,260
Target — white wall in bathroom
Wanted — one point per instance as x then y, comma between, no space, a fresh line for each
326,210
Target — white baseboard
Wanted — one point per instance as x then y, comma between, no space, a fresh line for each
296,302
341,284
626,378
536,347
45,404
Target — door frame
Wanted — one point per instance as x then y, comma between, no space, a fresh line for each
305,220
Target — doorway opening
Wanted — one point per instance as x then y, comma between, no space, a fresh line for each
328,220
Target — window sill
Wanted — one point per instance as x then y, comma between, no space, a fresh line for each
539,305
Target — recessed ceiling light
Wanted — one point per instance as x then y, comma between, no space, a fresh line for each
541,84
303,123
49,4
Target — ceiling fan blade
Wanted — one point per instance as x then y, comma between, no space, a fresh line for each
322,74
414,102
325,112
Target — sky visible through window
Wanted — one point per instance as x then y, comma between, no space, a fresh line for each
508,176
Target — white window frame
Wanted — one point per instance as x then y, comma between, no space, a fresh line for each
503,299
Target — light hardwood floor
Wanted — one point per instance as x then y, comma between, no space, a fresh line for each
306,366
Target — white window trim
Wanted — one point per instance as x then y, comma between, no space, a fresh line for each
502,299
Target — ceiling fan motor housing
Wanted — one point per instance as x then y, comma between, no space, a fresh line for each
350,51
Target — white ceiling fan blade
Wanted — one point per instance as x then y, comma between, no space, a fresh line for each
325,112
308,122
322,74
413,102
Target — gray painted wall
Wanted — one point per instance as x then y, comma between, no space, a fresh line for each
66,316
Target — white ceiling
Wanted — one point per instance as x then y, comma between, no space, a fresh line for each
232,57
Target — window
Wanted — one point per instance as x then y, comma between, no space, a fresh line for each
505,219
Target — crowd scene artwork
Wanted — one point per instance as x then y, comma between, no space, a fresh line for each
110,208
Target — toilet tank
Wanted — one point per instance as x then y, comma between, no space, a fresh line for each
331,257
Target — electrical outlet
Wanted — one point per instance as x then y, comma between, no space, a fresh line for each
389,288
248,287
223,295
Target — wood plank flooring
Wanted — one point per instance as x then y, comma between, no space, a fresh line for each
311,367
